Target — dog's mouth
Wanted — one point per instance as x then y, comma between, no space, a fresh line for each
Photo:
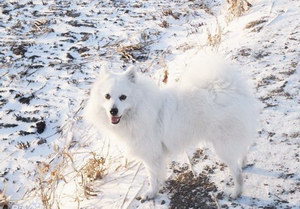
115,119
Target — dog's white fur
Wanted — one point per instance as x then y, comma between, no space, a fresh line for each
211,102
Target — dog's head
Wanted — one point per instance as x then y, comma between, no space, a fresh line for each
114,92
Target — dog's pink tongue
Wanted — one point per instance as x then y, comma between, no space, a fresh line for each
115,119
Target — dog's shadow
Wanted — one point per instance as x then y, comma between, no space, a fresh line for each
274,200
270,173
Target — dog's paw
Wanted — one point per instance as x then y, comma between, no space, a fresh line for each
149,195
236,194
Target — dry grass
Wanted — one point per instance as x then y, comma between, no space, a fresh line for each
45,192
4,203
40,27
254,23
95,168
127,51
214,39
164,24
47,178
64,168
134,52
257,25
237,8
69,164
166,77
167,12
206,8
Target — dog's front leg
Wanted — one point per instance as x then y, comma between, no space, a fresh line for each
156,176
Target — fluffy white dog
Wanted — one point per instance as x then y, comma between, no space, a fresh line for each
210,102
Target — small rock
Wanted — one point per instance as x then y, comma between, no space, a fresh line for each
42,141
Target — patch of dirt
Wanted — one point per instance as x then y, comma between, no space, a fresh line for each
7,125
76,23
26,100
25,133
19,50
189,191
26,119
73,13
261,54
198,156
245,52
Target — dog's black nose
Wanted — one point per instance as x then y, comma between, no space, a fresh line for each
114,111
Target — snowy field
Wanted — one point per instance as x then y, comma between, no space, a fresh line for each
50,54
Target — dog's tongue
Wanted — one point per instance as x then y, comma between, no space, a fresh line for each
115,119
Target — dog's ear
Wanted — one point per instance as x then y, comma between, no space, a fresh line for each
104,72
130,73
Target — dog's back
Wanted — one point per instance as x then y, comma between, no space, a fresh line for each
212,102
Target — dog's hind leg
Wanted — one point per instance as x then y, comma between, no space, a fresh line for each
236,172
243,162
231,158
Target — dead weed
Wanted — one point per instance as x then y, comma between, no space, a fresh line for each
237,8
214,39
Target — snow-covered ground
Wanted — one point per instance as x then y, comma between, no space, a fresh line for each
51,51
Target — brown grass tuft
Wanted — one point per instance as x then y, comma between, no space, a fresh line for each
164,24
214,39
4,203
49,175
238,7
166,76
254,23
167,12
134,52
95,168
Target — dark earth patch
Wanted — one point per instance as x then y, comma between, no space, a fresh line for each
189,191
40,127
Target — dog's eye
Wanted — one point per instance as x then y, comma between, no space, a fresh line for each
122,97
107,96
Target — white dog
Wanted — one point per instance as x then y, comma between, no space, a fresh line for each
210,102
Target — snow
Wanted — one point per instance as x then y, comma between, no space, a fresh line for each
51,52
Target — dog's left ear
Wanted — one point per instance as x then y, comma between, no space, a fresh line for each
104,72
130,73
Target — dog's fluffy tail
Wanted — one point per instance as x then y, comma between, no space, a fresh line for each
210,71
225,87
